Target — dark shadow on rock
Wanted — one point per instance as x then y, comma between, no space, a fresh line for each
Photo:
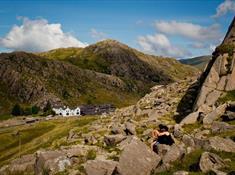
185,106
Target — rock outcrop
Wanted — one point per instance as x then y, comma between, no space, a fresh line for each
219,76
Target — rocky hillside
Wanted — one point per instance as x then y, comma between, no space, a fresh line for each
106,72
198,62
30,79
119,143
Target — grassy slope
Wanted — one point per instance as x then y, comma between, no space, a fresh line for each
198,62
40,135
96,57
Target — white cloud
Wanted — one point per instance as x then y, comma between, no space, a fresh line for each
97,35
160,44
198,45
189,30
38,35
224,8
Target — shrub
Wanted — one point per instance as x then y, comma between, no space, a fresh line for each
35,109
17,110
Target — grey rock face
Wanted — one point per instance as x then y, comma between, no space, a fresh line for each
219,76
210,161
136,158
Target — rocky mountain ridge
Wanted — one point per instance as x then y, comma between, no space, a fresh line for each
106,72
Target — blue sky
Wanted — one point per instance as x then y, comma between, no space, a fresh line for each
175,28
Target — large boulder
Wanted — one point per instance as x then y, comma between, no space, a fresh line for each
221,144
100,167
51,162
190,119
215,114
174,153
210,161
136,158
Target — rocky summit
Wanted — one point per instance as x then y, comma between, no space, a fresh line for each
199,113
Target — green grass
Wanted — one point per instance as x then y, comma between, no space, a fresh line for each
229,96
91,154
39,135
191,127
5,117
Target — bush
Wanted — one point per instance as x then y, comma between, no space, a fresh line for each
17,110
35,109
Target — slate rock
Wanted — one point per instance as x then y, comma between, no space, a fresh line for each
210,161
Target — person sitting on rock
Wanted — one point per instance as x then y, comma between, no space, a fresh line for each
161,136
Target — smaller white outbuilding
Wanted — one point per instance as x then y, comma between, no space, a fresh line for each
67,112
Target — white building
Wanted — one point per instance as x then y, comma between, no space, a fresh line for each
67,112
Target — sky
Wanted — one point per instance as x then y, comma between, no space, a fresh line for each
171,28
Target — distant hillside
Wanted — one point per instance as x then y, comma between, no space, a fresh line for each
106,72
198,62
134,67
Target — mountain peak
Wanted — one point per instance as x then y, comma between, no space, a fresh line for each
110,43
